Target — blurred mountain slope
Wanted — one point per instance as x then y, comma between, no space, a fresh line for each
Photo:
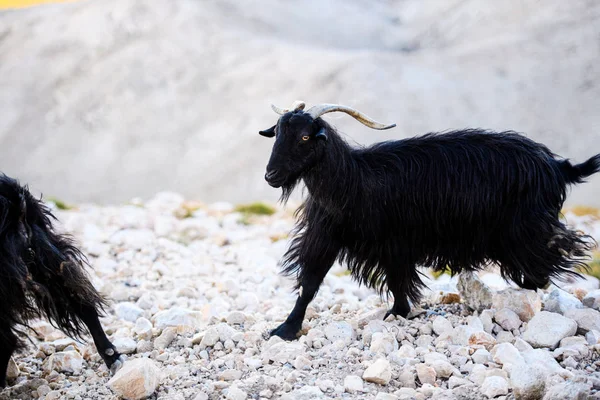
106,100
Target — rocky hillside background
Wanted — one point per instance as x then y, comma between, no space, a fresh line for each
105,100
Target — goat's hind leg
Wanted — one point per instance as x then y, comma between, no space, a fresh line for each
8,344
404,283
108,352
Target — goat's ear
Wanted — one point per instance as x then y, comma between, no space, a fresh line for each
268,132
322,134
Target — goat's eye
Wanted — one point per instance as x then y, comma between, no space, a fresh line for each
305,138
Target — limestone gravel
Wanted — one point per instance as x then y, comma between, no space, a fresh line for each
195,294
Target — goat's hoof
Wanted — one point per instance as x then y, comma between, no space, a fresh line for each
395,313
116,365
286,332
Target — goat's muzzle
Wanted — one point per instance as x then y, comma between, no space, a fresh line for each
273,179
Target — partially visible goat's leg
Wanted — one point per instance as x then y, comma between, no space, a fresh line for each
309,280
8,345
106,349
404,283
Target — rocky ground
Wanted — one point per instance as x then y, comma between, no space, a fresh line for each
195,290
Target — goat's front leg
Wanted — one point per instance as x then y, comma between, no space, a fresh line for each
310,278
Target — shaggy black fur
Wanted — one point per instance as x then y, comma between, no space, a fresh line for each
460,200
42,274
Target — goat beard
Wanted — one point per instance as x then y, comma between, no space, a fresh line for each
288,188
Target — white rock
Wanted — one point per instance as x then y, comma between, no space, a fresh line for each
353,384
406,351
406,393
143,328
236,317
481,356
386,396
545,360
522,345
587,319
593,337
178,316
506,354
586,282
208,338
235,393
478,374
372,315
128,311
592,300
474,292
165,338
304,393
302,362
441,326
283,352
340,331
125,345
486,319
573,346
528,382
525,303
230,375
407,379
426,374
254,363
443,368
455,382
137,379
133,238
383,342
325,385
546,329
494,386
568,391
379,372
64,361
12,371
507,319
559,301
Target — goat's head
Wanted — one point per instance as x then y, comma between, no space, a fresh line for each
301,140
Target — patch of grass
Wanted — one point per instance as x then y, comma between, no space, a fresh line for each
61,205
584,210
594,265
187,209
255,209
345,272
437,274
276,238
245,219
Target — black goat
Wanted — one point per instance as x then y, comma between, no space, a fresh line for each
457,200
41,274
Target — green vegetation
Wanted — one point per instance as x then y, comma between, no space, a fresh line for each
61,205
437,274
594,265
187,209
256,209
584,210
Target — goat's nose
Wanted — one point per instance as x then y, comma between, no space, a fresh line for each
270,174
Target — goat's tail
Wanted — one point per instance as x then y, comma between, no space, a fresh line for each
577,173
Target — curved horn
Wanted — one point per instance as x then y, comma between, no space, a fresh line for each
297,105
320,109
